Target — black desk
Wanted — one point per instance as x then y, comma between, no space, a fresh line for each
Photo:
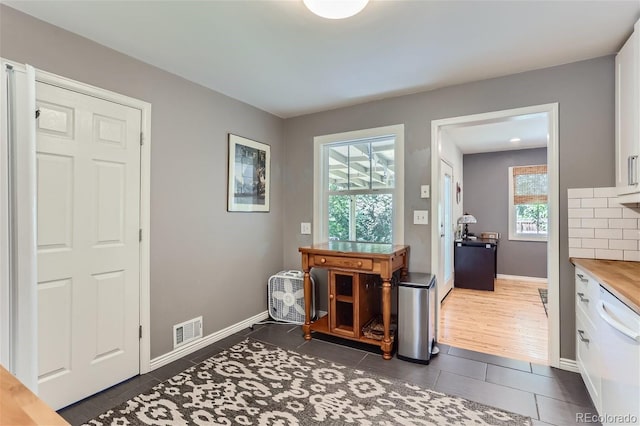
475,263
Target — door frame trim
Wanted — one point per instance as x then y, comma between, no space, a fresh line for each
145,195
448,163
17,217
553,170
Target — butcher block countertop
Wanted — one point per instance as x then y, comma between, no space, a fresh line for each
21,407
622,279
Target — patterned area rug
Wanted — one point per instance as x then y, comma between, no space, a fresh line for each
543,297
254,383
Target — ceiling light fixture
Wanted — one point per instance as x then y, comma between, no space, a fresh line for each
335,9
514,140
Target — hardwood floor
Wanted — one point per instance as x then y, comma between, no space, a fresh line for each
508,322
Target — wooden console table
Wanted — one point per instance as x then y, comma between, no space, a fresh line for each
351,301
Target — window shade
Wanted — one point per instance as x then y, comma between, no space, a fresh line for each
530,184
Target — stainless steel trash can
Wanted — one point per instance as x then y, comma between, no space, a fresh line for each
417,318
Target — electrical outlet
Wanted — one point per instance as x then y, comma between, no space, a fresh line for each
424,191
421,217
305,228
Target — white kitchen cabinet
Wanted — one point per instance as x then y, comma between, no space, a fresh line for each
627,66
587,346
607,351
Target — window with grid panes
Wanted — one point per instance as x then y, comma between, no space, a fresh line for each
359,179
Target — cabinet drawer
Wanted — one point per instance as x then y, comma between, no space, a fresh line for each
587,293
344,262
587,358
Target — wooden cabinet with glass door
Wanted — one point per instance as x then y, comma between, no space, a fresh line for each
359,287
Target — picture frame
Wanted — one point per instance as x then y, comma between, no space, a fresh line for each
249,175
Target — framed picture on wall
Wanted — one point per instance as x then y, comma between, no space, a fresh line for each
249,175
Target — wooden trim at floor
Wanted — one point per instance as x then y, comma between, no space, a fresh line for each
521,278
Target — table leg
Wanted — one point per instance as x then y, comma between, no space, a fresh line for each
306,327
386,345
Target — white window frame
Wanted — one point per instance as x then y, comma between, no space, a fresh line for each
320,193
513,234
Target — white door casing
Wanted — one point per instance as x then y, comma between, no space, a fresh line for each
445,213
88,220
17,218
553,242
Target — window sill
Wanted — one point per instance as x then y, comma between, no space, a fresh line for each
528,238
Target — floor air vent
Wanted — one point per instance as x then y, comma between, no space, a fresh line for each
187,331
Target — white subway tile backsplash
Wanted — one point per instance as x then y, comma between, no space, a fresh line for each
594,223
580,252
608,234
600,227
594,202
609,254
609,213
576,223
623,244
631,213
632,256
631,234
613,202
623,223
580,213
574,203
596,244
580,233
605,192
580,193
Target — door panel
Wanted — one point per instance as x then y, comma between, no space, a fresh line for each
54,345
55,202
88,169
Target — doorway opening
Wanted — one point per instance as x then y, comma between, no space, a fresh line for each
494,133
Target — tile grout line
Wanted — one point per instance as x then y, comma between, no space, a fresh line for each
535,398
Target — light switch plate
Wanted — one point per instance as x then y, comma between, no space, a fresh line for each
421,217
424,191
305,228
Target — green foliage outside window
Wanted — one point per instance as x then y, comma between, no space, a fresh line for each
373,218
532,218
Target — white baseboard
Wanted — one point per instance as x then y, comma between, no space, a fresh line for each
205,341
569,365
522,278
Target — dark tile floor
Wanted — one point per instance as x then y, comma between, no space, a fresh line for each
547,395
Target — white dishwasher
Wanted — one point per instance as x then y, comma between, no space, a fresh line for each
619,336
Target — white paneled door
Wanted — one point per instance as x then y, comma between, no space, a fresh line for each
88,216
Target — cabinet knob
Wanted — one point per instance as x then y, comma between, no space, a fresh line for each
359,264
582,278
331,296
323,260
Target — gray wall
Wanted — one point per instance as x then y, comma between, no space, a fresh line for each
204,260
486,196
200,253
584,91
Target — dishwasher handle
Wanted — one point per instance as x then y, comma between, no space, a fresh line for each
602,310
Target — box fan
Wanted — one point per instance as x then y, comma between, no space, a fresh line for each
286,297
